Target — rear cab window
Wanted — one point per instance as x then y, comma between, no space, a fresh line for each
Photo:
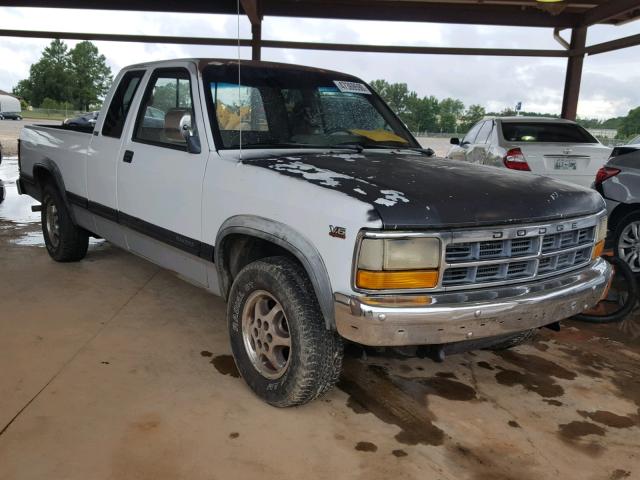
545,132
121,104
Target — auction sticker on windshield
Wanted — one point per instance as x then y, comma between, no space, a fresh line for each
351,87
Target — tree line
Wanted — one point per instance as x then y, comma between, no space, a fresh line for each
449,115
427,114
64,78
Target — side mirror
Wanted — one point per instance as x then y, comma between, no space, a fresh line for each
454,141
193,141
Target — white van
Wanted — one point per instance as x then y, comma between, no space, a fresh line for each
9,107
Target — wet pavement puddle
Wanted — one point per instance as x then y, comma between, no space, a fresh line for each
18,224
225,365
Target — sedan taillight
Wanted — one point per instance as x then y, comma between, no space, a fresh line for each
604,173
514,159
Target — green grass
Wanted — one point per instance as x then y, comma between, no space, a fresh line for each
43,115
49,114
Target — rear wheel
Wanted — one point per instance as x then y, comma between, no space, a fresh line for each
65,241
279,339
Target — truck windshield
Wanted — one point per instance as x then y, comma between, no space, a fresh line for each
276,107
551,132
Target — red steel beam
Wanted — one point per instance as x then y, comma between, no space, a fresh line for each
574,74
341,47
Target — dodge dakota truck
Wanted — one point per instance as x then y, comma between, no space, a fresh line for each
298,196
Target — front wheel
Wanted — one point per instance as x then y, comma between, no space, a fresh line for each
279,339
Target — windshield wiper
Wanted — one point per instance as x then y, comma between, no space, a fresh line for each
427,151
359,147
346,146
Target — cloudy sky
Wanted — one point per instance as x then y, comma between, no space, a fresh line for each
609,87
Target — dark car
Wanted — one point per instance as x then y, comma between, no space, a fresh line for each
618,181
10,116
86,120
632,146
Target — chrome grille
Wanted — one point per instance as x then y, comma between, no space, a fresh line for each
555,241
479,258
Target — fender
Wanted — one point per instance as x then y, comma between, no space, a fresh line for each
289,239
51,167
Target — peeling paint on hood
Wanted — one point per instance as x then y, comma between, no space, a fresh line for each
413,191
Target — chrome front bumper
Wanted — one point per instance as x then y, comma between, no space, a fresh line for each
456,316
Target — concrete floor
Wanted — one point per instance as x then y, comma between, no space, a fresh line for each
112,368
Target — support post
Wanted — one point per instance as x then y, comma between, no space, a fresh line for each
252,9
256,39
574,73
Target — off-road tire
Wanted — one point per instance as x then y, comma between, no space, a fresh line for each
513,340
315,356
73,240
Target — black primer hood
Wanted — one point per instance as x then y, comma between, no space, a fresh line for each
414,191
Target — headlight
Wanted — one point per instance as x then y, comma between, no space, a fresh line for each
601,235
398,263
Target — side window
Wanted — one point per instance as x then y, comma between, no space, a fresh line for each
121,103
471,135
485,131
166,111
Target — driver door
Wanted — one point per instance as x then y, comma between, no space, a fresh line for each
160,177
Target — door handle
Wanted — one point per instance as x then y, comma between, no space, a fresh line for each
128,156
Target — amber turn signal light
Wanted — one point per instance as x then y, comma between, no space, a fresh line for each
387,280
597,250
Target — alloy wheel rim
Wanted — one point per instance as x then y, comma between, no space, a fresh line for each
53,225
629,245
265,334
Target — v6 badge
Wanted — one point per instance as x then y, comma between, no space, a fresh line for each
338,232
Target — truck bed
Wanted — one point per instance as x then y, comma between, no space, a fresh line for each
54,145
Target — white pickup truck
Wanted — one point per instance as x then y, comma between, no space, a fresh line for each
299,197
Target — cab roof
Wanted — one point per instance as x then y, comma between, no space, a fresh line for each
204,62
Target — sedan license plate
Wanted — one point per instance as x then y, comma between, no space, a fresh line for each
565,164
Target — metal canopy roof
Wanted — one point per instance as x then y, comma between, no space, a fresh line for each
576,15
530,13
